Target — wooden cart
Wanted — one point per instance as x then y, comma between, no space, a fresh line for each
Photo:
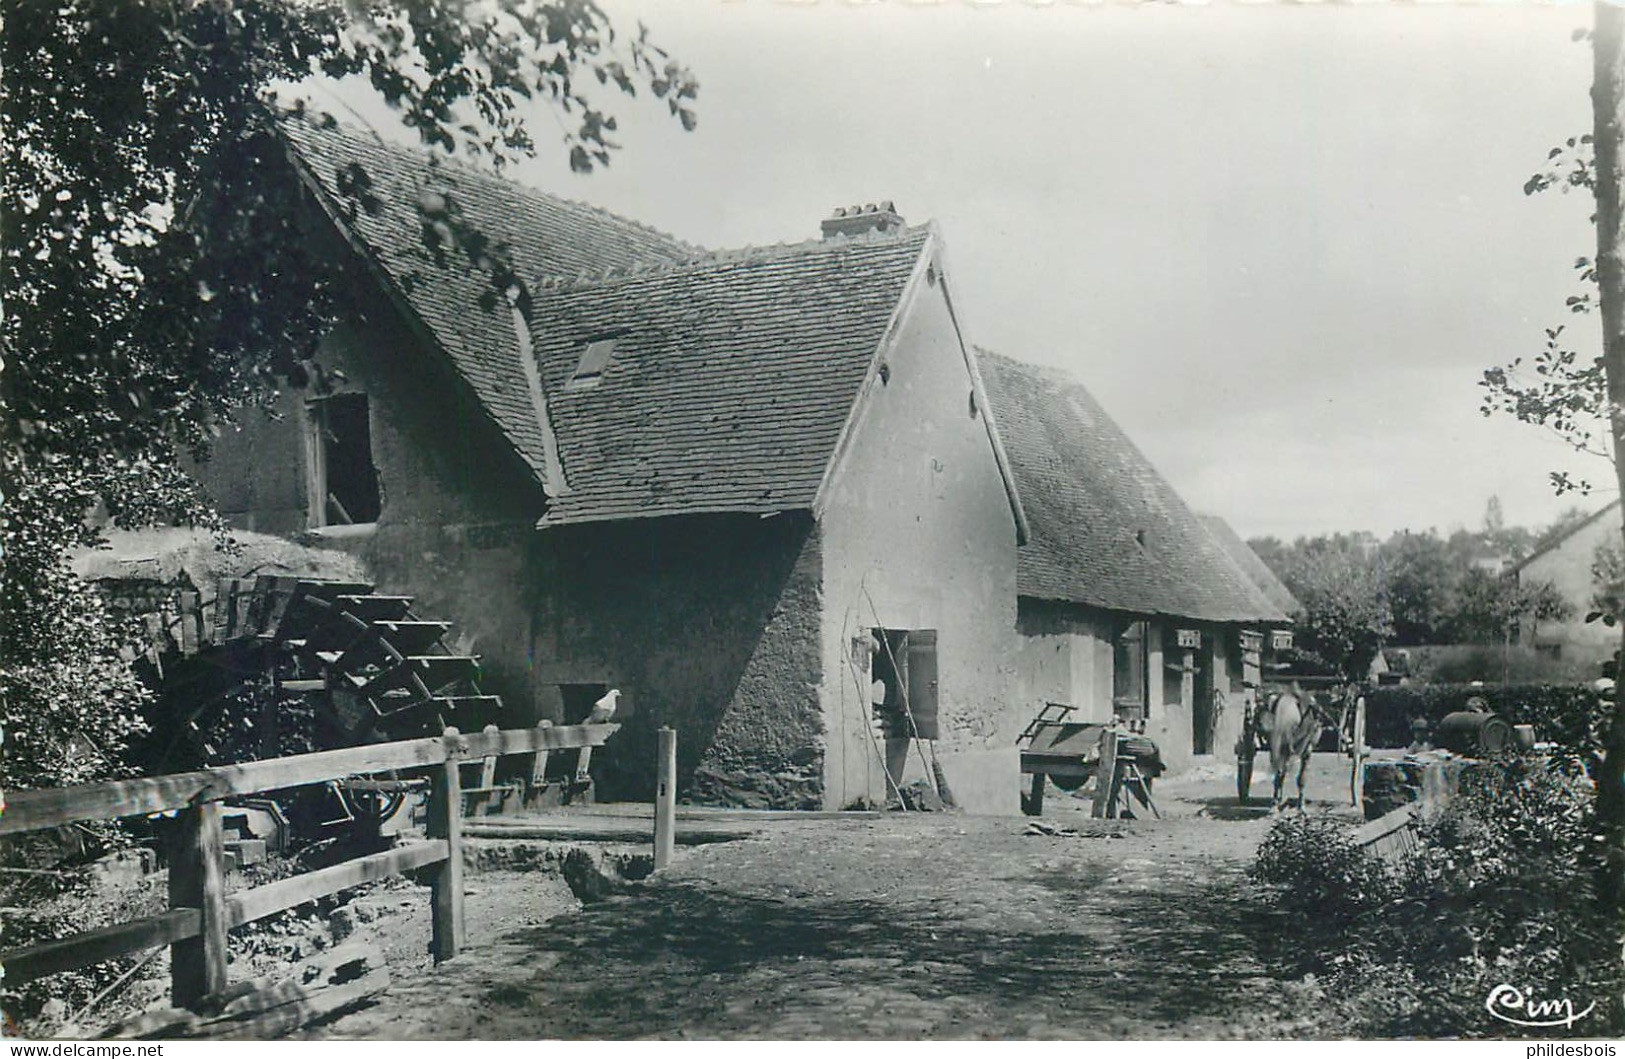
1350,725
1071,753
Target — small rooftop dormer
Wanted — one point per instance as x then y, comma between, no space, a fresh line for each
861,220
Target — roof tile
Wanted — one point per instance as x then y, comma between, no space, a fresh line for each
1251,564
1107,530
731,380
548,237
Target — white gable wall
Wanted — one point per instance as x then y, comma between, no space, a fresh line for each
1568,566
919,533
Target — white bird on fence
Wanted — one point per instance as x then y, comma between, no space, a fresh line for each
604,708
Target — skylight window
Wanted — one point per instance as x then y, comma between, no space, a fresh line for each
595,358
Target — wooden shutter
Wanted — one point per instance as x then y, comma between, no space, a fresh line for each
922,681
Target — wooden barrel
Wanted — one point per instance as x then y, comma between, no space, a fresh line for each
1476,734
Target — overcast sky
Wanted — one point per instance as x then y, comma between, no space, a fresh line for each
1279,243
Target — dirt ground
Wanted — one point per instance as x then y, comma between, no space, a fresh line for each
894,926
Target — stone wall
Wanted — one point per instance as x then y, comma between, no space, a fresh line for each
1065,655
458,508
708,625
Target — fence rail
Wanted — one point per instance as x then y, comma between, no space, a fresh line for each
201,912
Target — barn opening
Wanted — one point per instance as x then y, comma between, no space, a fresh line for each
905,662
343,479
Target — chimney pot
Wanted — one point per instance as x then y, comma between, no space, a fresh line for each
859,220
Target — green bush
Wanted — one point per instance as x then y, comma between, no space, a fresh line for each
1321,870
1505,886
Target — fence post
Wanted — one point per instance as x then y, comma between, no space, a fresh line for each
666,799
446,821
197,880
538,771
1106,776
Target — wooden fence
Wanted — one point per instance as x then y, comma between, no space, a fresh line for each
201,912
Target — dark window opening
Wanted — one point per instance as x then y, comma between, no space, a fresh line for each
595,358
344,479
1129,699
905,663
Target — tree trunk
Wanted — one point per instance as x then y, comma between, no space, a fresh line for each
1608,110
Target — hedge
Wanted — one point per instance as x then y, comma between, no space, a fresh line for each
1570,715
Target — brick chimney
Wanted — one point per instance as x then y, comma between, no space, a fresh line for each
860,220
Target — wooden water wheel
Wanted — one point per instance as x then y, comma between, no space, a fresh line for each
327,664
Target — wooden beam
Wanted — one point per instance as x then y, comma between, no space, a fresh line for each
56,806
528,740
446,898
488,777
197,879
1105,775
249,905
104,943
666,798
538,767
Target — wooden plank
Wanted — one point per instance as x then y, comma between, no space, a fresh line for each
611,829
243,600
1068,766
1035,799
308,1005
223,609
488,776
197,965
666,798
528,740
248,905
278,593
53,807
433,671
187,601
538,766
94,946
1385,825
446,899
1105,775
268,1012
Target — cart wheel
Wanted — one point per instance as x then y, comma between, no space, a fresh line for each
1357,754
1244,775
374,807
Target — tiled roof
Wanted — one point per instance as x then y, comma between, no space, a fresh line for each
1107,530
731,377
1254,567
548,237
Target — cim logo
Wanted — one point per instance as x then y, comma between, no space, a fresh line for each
1520,1007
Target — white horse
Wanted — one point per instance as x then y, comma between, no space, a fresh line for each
1295,725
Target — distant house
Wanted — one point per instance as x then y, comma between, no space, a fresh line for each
1566,562
760,491
1128,605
